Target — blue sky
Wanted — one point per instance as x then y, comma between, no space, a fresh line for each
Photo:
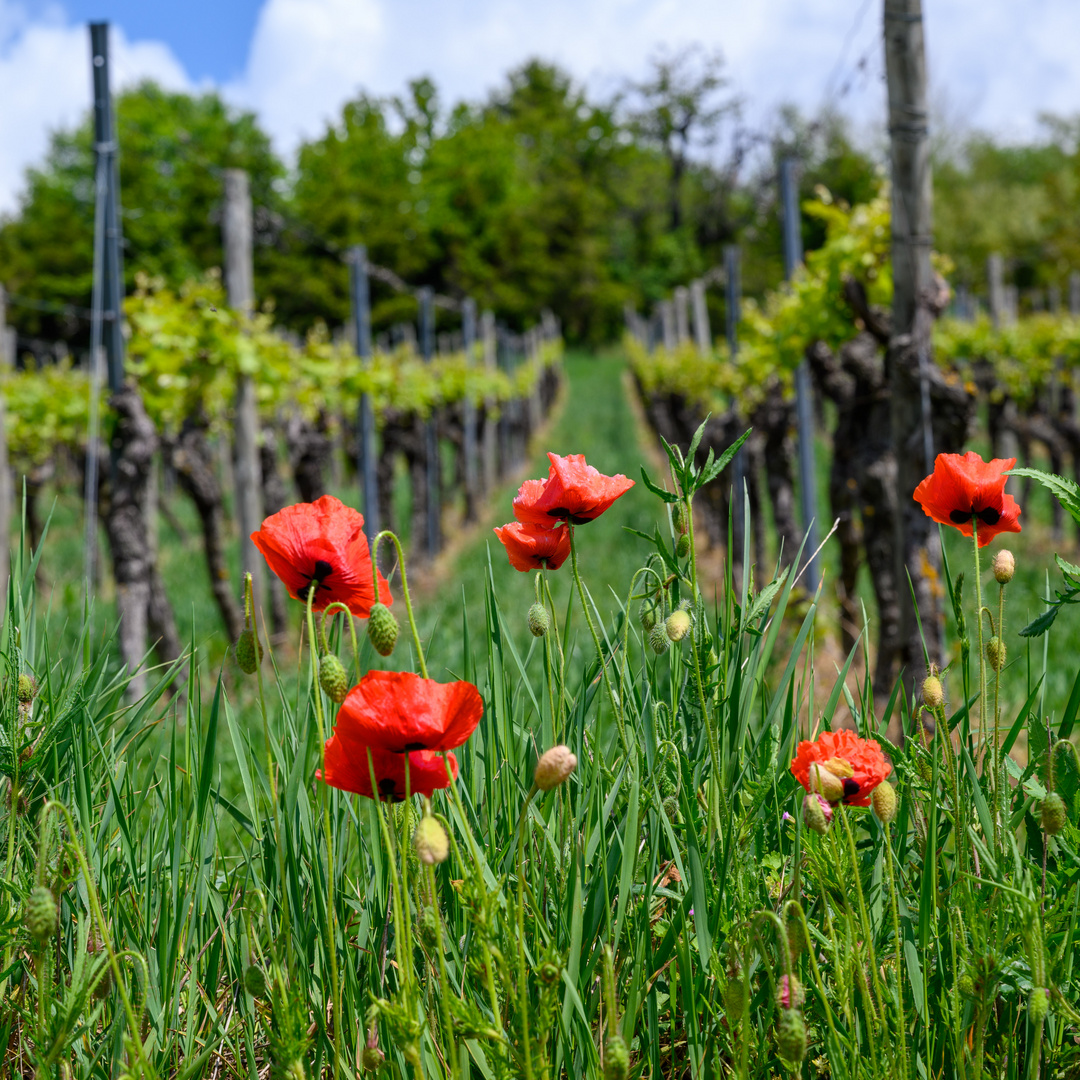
994,64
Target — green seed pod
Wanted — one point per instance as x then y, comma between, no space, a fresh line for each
659,641
248,652
382,629
1053,814
255,981
27,689
616,1058
431,842
678,625
933,694
682,547
332,678
883,800
538,620
995,653
734,998
40,914
1038,1004
791,1036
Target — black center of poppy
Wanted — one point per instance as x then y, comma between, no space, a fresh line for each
387,786
563,514
317,580
413,746
851,788
988,516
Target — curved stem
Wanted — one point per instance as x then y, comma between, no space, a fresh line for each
324,793
337,605
387,534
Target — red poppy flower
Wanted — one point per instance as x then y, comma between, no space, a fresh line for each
399,711
573,491
857,763
322,546
531,547
348,769
963,487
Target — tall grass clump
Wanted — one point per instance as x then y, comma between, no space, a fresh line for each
636,836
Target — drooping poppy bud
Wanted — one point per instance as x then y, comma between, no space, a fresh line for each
826,783
659,641
680,519
648,613
933,694
817,813
883,800
791,1036
1038,1004
616,1058
382,629
1053,814
431,842
995,653
678,624
40,914
554,767
27,689
255,981
248,652
790,992
1004,566
682,546
332,678
734,998
538,620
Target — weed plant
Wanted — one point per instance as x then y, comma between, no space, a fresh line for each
663,910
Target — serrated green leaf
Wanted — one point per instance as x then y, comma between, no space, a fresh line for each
1066,491
1040,624
667,496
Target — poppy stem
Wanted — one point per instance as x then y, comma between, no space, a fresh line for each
331,936
386,533
523,986
351,623
554,635
901,1028
615,704
982,678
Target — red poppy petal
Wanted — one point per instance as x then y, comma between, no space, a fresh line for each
349,768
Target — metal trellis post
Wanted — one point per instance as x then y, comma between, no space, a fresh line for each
361,312
431,429
468,410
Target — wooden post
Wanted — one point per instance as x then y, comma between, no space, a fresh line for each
908,361
491,363
804,405
468,412
667,323
431,429
1074,292
681,301
702,330
240,289
7,361
365,442
732,316
995,288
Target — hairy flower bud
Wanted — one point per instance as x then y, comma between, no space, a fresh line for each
554,766
372,1059
39,914
790,992
995,653
677,625
659,641
1053,814
1038,1004
382,629
826,783
816,813
616,1058
332,678
248,652
27,689
1004,566
734,997
255,981
791,1036
682,546
648,613
933,694
431,842
883,800
680,519
538,620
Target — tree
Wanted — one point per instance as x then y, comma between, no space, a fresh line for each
173,150
680,111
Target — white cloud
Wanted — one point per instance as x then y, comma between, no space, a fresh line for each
307,58
45,83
